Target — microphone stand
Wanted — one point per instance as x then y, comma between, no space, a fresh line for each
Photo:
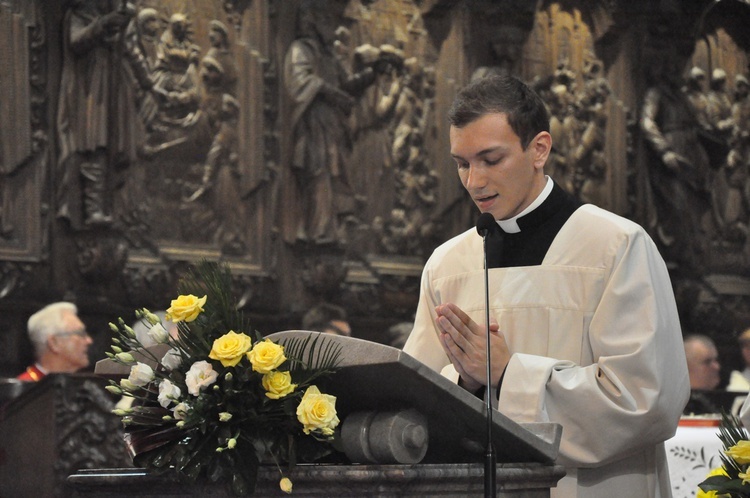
490,462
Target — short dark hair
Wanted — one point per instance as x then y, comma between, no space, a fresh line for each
319,317
526,112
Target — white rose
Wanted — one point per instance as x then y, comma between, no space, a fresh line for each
200,375
172,359
141,374
158,334
168,393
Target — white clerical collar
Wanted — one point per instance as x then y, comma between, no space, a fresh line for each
511,224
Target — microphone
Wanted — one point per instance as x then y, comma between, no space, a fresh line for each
485,224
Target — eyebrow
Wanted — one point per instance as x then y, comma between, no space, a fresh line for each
483,152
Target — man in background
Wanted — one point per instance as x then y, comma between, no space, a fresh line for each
327,318
60,341
739,380
703,371
703,362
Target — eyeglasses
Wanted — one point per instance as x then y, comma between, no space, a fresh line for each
80,333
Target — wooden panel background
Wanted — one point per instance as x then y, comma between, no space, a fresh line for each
594,63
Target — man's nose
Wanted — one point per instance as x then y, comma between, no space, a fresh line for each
475,177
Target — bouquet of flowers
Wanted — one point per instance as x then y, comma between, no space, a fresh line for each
222,400
732,479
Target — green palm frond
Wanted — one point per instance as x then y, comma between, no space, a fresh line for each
317,356
731,432
215,281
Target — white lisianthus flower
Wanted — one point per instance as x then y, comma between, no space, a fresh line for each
126,385
181,410
168,393
158,333
125,358
141,374
200,375
172,359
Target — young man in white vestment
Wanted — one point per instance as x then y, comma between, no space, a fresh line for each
584,326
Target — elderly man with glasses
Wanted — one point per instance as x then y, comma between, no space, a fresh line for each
60,341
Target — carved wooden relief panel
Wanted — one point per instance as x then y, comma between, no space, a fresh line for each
306,142
24,139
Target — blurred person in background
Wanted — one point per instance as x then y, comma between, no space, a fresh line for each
60,341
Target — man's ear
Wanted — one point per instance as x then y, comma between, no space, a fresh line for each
540,146
53,343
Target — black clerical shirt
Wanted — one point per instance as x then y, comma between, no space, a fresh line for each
538,229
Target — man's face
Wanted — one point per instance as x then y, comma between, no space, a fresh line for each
501,177
72,345
339,327
703,366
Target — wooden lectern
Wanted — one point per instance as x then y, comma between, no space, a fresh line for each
52,429
407,430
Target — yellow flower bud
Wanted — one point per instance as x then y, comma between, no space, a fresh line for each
225,417
286,485
116,349
113,327
231,443
113,389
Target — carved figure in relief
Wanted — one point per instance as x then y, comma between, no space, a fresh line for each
97,122
322,95
142,38
719,105
177,72
587,154
731,189
372,121
505,47
218,36
409,225
561,100
680,170
220,182
696,94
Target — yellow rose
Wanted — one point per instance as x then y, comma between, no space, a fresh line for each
185,308
719,471
278,384
286,485
317,412
266,356
740,452
230,348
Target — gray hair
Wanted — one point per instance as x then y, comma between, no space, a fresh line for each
47,322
